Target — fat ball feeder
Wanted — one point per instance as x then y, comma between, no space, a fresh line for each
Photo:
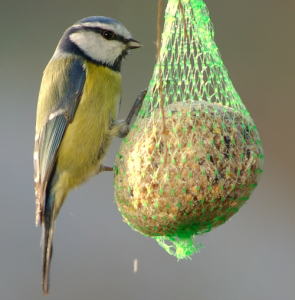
183,181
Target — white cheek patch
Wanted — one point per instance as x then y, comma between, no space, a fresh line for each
96,47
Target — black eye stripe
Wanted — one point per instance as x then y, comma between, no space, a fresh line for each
116,37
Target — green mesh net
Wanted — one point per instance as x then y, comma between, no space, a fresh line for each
198,174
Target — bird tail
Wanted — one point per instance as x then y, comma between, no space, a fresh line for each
48,231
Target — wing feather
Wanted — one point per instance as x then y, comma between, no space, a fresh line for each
66,93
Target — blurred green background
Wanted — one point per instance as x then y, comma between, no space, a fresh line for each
250,257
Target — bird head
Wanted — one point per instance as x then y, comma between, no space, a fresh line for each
101,40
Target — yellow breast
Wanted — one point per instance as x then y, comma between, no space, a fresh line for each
78,156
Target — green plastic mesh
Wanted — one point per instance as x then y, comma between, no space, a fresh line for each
198,175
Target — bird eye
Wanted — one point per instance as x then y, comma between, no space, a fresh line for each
108,35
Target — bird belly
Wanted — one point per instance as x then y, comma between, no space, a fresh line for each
86,139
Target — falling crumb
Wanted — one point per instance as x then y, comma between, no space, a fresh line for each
135,262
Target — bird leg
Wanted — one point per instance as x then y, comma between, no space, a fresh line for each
136,106
121,128
102,168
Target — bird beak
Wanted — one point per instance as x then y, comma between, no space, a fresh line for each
133,44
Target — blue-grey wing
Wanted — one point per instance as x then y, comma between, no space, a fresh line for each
68,92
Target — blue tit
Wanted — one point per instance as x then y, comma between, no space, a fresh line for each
76,115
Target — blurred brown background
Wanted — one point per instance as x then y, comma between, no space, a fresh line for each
250,257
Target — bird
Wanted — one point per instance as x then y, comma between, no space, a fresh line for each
76,118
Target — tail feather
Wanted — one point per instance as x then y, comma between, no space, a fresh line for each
48,231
